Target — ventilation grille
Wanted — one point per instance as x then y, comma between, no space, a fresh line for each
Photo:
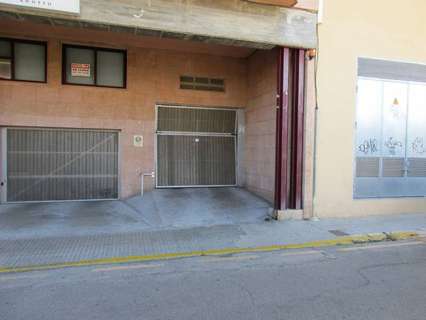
417,167
196,120
202,83
393,167
367,167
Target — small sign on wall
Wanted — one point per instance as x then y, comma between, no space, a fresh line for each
138,141
69,6
80,70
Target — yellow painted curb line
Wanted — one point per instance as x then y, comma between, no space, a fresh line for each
395,236
356,239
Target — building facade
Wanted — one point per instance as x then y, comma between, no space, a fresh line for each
108,99
378,49
97,107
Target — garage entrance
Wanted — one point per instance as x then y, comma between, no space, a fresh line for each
59,164
196,147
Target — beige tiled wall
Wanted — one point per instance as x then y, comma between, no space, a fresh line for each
153,77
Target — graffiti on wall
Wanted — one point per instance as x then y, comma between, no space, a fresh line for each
418,146
392,144
369,146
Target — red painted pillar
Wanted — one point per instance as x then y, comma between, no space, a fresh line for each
289,129
281,154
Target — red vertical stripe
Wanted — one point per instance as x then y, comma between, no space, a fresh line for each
290,129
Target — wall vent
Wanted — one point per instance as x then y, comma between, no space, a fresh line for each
417,167
367,167
202,83
393,167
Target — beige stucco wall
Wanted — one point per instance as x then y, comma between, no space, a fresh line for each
385,29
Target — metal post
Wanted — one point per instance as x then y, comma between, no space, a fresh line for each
142,176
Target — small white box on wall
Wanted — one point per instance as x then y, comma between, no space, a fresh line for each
138,141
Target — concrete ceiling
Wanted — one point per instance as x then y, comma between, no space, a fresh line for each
41,31
225,22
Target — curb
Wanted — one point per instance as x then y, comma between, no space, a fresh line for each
341,241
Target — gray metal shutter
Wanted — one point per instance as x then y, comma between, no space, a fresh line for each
196,147
196,120
61,164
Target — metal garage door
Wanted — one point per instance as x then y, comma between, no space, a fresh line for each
61,164
196,147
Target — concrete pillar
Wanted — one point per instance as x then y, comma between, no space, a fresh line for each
309,161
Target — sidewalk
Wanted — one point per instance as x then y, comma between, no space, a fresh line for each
20,253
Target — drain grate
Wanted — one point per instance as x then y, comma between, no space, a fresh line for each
338,233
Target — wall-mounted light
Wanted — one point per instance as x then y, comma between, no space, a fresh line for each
395,108
311,54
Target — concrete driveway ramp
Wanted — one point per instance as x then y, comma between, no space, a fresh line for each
200,206
159,209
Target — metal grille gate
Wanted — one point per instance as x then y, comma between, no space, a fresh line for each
61,164
196,147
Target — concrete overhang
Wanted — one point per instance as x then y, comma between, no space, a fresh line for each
228,22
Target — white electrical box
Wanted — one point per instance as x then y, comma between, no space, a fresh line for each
138,141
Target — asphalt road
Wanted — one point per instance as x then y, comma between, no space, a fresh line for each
378,282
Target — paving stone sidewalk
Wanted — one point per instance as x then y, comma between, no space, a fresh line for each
53,250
